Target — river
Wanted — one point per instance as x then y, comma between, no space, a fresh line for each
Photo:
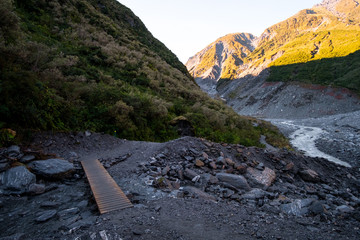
336,137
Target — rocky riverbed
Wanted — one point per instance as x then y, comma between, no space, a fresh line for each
188,188
334,137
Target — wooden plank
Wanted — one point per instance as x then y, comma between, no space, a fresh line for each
108,195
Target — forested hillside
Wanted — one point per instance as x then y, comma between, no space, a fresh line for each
77,65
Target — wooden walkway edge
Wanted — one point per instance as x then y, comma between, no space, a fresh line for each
108,195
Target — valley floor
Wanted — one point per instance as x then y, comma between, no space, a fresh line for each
296,204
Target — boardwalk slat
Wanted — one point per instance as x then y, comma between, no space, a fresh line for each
107,193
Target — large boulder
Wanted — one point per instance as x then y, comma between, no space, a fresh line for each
17,180
52,168
263,179
237,181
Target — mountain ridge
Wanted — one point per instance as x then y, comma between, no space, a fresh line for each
292,51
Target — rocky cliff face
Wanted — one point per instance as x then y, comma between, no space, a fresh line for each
313,53
220,60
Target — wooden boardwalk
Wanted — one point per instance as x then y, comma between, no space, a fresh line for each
107,193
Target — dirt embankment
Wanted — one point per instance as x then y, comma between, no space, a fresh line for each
253,96
189,189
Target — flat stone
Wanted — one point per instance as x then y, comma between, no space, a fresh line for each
212,165
289,167
205,156
229,161
237,181
27,158
36,189
45,216
255,193
68,212
17,180
82,204
49,204
344,209
263,178
52,168
165,170
310,176
190,174
199,163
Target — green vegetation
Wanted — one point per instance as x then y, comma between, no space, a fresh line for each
342,71
87,64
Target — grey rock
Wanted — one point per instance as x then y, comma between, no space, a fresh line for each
317,208
165,170
82,204
68,212
50,204
4,166
36,189
45,216
310,176
1,204
299,207
220,160
190,174
188,158
260,166
17,180
255,193
237,181
52,168
160,156
210,179
84,223
344,209
27,158
13,151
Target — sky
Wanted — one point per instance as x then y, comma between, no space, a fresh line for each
188,26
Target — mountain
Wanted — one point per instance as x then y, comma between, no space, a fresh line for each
220,59
93,65
316,46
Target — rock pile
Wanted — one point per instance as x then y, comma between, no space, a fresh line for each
22,173
280,181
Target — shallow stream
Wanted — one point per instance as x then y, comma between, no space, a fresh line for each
336,137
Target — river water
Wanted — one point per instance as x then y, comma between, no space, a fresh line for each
336,137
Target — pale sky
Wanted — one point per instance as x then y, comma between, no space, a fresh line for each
188,26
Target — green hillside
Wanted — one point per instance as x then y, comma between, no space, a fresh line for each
77,65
